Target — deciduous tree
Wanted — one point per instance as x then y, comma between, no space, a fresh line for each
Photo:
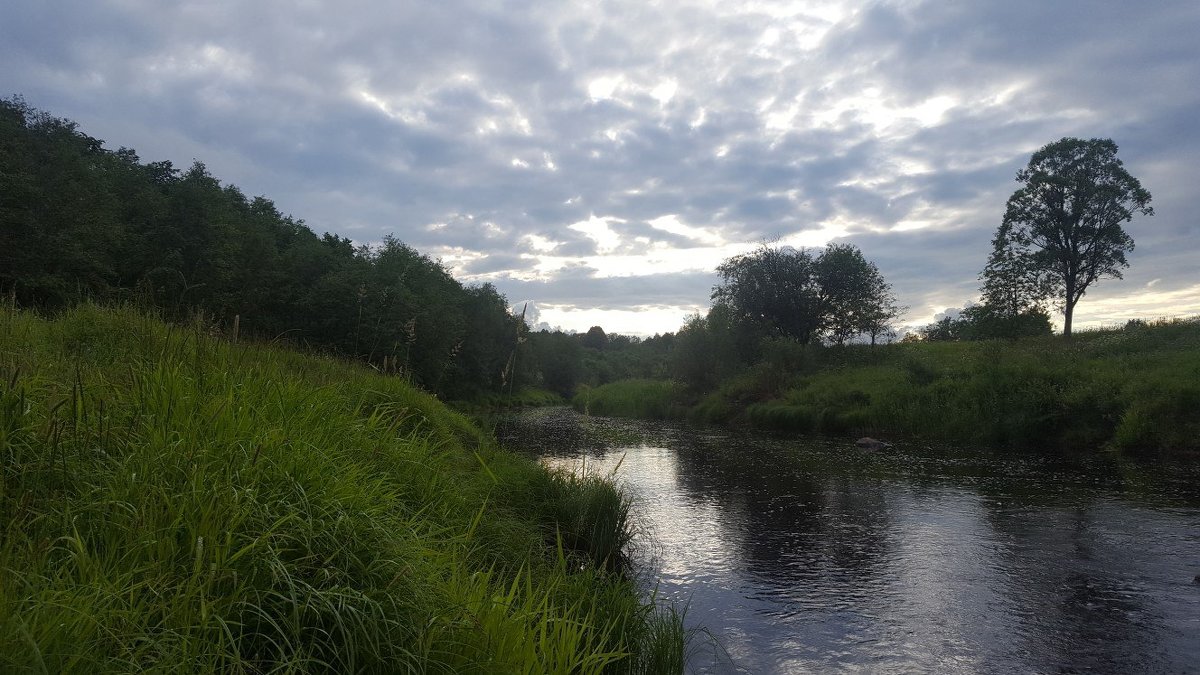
856,299
790,293
1064,222
774,290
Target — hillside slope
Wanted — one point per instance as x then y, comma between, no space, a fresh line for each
171,501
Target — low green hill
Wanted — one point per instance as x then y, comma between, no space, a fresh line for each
173,502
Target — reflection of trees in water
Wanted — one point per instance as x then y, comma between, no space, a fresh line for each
793,514
1075,596
1047,571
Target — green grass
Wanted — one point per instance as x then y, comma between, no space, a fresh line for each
526,397
173,502
650,399
1133,389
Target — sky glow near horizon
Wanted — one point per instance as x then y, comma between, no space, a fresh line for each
599,160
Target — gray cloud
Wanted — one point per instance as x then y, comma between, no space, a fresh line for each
493,123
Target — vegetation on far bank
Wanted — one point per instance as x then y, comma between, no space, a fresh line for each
648,399
776,349
1135,388
175,502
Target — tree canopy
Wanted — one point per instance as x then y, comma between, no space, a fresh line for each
857,299
1062,229
791,293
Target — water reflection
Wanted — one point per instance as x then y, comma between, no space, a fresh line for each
814,556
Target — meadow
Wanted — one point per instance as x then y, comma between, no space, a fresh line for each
1134,389
174,501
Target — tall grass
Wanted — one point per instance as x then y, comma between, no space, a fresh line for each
650,399
525,397
173,502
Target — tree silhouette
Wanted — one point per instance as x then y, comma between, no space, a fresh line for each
1064,223
790,293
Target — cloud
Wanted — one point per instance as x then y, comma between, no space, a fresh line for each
676,133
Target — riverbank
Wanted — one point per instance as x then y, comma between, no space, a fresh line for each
1133,389
483,404
175,502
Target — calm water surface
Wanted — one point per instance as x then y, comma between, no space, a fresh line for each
807,555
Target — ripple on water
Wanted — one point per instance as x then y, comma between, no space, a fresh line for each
811,556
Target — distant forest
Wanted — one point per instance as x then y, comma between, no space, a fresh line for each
82,222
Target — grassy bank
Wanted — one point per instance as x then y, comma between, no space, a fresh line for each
173,502
647,399
1135,389
526,397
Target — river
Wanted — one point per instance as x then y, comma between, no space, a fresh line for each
810,555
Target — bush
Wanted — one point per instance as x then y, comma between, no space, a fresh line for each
1162,418
647,399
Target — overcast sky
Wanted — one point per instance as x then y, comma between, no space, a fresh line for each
601,158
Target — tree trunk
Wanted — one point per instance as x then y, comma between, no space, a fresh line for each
1069,305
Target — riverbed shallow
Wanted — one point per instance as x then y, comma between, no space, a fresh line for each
807,554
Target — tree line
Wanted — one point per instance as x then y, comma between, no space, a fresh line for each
80,221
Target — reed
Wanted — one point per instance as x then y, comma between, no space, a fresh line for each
648,399
525,397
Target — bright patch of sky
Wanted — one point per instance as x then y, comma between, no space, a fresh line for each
638,320
600,231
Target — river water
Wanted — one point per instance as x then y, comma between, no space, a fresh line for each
810,555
